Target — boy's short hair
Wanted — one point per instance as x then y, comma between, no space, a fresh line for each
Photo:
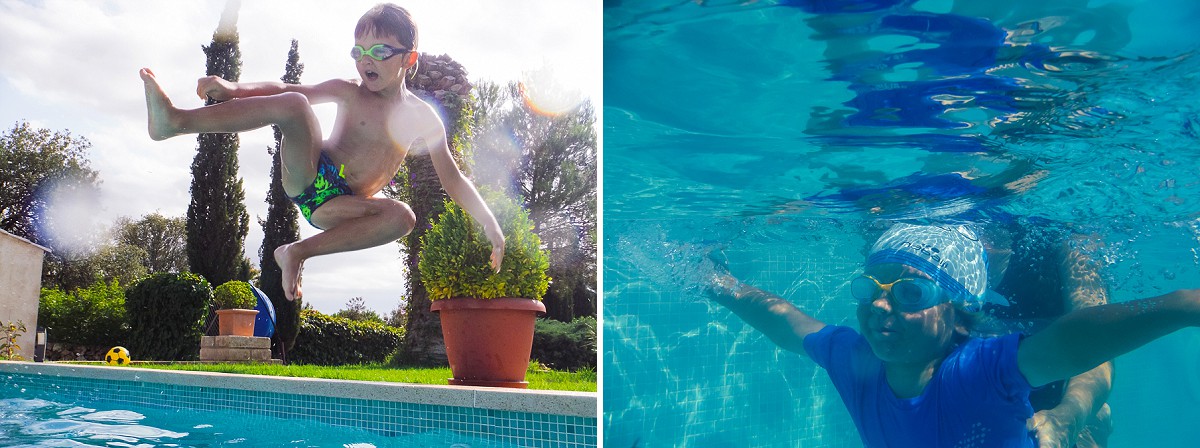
390,20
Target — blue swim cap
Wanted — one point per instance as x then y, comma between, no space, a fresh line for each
952,256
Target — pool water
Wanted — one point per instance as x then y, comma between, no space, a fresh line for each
36,422
786,135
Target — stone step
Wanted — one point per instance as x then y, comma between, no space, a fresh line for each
235,342
234,354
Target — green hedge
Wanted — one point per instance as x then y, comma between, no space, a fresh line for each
166,316
565,346
334,341
88,316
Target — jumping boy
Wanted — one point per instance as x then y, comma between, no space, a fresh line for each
912,375
334,182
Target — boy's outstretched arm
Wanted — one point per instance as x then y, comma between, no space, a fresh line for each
775,317
460,189
1083,339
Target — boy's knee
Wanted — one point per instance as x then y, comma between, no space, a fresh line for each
293,99
293,103
403,213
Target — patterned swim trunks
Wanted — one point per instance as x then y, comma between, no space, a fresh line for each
329,183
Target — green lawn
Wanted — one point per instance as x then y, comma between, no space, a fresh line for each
581,381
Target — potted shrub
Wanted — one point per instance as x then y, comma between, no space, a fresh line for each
487,317
235,308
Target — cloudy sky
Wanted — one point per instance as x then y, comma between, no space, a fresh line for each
72,65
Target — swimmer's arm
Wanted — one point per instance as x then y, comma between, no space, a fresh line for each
784,323
1086,392
1083,339
431,133
221,90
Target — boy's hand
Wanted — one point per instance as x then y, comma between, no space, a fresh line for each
497,256
214,87
1054,430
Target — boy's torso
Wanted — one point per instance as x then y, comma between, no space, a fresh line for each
372,135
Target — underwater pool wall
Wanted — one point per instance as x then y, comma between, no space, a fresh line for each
516,417
693,375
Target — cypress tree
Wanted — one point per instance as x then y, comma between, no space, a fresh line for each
280,228
217,221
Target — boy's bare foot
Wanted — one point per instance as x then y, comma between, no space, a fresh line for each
158,108
291,265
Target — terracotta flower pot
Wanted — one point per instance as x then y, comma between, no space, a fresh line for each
236,322
488,341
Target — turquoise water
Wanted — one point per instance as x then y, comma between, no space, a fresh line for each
788,134
38,410
38,422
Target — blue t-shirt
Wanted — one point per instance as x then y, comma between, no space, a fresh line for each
977,398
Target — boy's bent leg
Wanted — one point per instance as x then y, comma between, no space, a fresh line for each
352,223
290,111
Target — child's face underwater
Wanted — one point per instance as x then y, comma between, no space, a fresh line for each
905,337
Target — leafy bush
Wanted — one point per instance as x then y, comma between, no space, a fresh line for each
565,346
88,316
334,341
9,349
166,316
235,295
455,259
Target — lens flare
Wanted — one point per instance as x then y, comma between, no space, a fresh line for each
496,160
69,218
545,96
405,130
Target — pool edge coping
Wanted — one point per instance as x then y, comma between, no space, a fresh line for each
575,404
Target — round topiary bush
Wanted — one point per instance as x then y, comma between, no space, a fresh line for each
455,255
234,295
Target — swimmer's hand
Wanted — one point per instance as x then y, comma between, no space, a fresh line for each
1054,430
216,88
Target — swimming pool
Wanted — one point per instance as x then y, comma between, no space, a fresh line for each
53,405
789,133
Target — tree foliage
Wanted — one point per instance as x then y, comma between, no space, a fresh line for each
550,160
356,310
217,221
163,239
33,161
38,169
280,228
132,249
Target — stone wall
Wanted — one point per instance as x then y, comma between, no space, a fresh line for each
20,286
75,352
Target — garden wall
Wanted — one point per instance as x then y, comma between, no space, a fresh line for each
20,283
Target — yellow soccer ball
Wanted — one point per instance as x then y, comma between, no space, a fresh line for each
117,356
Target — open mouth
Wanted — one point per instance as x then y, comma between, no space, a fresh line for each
371,75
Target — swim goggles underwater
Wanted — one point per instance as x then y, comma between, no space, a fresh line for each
909,294
377,52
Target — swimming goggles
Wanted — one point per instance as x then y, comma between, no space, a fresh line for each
909,294
377,52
